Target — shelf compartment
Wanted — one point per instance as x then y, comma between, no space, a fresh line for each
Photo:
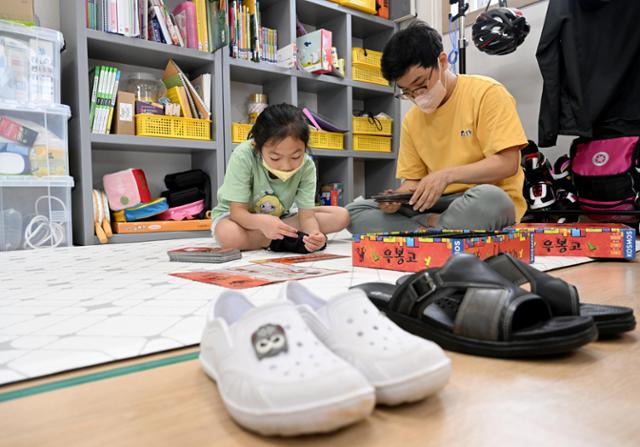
130,143
132,51
255,72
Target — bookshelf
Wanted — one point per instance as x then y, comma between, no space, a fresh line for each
92,155
361,173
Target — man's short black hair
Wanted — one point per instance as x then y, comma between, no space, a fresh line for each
418,44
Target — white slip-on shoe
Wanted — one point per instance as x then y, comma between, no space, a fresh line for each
274,376
401,366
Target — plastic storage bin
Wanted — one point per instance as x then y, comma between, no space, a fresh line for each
365,73
326,140
240,132
33,140
363,56
148,125
35,212
371,143
365,66
374,126
29,64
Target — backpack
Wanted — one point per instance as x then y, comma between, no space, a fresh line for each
606,176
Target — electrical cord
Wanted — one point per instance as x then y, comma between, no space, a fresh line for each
42,231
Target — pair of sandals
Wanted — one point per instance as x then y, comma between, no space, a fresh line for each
477,307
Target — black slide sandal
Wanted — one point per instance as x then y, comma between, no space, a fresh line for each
467,307
563,298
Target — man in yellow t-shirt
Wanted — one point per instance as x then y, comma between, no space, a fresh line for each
459,146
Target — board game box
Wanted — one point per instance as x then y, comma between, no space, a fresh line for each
414,251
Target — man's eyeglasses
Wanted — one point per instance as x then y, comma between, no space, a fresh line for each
415,92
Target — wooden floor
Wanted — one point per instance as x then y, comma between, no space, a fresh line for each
590,398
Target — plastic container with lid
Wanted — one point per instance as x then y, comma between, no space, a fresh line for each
145,86
35,212
33,140
29,64
257,103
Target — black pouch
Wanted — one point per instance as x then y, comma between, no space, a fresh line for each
179,198
180,182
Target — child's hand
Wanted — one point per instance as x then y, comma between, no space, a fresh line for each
314,241
274,228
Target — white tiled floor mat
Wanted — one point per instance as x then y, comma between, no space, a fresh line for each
68,308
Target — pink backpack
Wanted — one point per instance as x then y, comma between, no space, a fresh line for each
606,175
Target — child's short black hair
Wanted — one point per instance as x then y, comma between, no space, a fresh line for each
418,44
279,122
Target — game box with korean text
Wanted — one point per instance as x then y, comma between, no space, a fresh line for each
594,240
414,251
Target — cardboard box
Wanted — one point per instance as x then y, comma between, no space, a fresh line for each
594,240
18,10
314,51
412,252
161,226
125,124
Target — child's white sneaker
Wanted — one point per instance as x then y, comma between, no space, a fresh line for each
401,366
274,376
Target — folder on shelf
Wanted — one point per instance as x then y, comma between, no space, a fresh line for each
178,95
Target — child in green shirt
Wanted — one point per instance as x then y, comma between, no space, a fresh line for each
265,177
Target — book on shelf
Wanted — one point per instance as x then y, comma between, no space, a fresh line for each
202,84
185,14
201,22
197,24
178,95
248,39
104,88
217,24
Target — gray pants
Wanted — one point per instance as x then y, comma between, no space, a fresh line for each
483,207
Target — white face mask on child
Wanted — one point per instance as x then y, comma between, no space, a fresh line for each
282,175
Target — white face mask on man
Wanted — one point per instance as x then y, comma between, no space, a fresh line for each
431,100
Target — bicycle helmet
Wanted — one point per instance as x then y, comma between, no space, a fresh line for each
500,31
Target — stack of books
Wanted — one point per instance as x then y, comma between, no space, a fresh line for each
104,88
249,40
194,96
197,24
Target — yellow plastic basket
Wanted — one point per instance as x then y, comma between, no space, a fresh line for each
368,6
362,125
366,73
240,132
149,125
326,140
371,143
362,56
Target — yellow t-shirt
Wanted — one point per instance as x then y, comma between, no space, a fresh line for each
478,120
